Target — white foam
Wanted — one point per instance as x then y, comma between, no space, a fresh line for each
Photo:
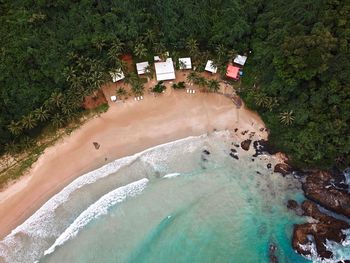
100,207
172,175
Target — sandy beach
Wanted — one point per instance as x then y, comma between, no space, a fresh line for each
125,129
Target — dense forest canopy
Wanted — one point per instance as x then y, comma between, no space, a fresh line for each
298,74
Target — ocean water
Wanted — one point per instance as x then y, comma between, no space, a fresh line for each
171,203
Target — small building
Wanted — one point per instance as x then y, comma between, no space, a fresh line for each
210,67
232,72
165,70
240,60
141,67
185,63
117,75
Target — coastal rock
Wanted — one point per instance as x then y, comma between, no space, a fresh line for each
282,168
326,228
328,191
263,146
234,154
292,204
272,253
206,152
269,165
246,144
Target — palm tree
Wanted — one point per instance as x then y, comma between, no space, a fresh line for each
201,82
213,85
26,143
232,54
221,52
261,100
116,49
149,72
287,117
96,79
41,114
159,48
192,77
140,50
150,36
56,98
58,120
29,121
121,64
137,88
99,43
15,128
192,46
121,92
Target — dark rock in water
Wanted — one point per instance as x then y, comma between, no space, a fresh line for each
246,144
324,189
97,145
269,165
236,130
204,159
283,168
234,155
263,146
206,152
236,145
233,150
272,253
258,172
253,159
327,228
292,204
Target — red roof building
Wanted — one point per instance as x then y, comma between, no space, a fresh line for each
232,72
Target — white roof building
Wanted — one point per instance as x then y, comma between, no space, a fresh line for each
165,70
211,67
141,67
117,75
185,63
240,60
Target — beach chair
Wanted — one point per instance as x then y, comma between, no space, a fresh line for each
135,99
194,91
187,90
141,98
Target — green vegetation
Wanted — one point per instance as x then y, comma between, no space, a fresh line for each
179,85
54,53
159,87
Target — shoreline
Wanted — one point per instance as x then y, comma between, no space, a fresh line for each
125,129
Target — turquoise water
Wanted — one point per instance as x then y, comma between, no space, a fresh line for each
172,203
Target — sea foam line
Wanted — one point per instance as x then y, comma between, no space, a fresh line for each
34,224
100,207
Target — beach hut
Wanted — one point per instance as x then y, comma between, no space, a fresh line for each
165,70
232,72
141,67
185,63
240,60
117,75
210,67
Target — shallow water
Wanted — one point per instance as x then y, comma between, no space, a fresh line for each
172,203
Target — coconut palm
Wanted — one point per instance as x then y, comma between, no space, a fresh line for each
116,49
232,53
287,117
149,72
159,48
56,99
192,77
26,143
29,121
261,100
201,82
150,36
213,85
41,114
192,46
137,88
99,43
58,120
221,52
15,127
121,92
140,50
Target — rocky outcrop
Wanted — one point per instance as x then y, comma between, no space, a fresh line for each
328,191
292,204
246,144
324,228
96,145
272,253
283,168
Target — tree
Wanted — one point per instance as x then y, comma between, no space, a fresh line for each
121,92
213,85
192,46
58,120
221,53
29,121
149,72
116,49
56,99
140,50
287,117
159,87
41,114
192,77
150,37
15,128
137,88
